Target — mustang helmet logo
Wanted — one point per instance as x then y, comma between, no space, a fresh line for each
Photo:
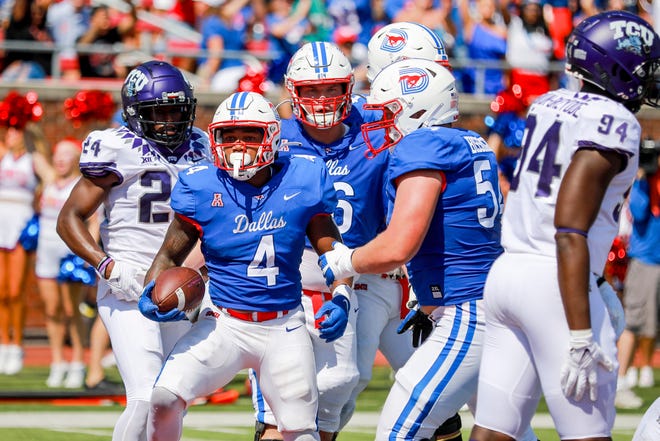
394,40
413,80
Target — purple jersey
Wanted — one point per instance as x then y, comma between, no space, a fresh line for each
359,183
253,237
464,236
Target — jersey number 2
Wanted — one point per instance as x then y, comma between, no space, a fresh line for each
150,180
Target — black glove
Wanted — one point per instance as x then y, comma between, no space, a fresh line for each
420,324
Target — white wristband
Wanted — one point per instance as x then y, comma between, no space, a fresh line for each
581,338
342,290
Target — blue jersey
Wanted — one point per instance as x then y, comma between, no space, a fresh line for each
253,238
359,183
464,237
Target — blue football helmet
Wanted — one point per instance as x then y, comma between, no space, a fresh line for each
158,104
619,53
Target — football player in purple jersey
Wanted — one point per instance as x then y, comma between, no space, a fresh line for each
131,171
548,330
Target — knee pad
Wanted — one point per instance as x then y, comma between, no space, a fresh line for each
161,397
450,430
166,407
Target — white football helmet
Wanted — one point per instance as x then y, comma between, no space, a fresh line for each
398,41
410,93
245,109
314,64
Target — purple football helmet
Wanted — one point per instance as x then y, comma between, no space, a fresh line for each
619,53
158,104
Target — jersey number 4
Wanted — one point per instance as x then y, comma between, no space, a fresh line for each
263,262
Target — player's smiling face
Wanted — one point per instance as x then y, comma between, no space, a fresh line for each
246,140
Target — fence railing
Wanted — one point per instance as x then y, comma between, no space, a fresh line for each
58,88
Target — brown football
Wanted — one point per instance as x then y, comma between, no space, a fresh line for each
178,287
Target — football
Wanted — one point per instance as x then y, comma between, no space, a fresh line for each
178,287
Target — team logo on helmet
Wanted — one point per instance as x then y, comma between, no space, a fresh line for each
135,82
413,80
394,40
632,37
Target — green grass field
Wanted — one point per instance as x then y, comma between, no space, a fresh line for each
32,379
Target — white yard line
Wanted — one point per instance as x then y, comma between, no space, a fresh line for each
220,419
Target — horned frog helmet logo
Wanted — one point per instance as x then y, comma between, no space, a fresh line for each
632,37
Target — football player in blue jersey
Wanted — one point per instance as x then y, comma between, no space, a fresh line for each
131,171
253,213
327,125
445,225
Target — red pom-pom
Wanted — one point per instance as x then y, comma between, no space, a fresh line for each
89,105
17,110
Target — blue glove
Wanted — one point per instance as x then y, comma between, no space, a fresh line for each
336,312
336,264
150,310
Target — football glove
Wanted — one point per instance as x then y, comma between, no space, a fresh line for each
420,324
150,310
125,281
614,307
412,298
579,372
336,264
336,314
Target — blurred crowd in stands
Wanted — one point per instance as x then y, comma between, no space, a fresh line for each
227,43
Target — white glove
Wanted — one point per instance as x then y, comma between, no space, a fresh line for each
614,308
412,298
336,264
580,368
126,281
